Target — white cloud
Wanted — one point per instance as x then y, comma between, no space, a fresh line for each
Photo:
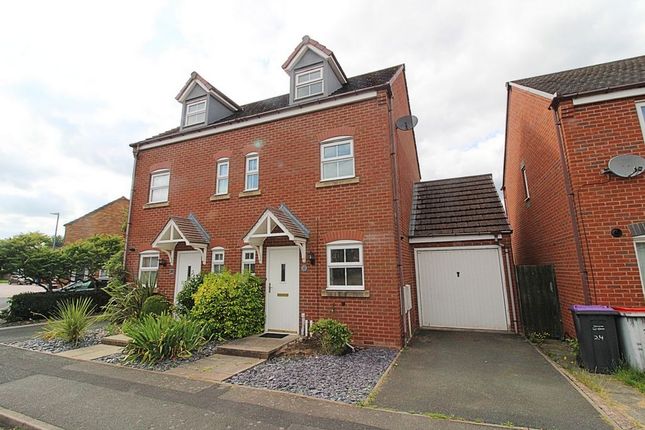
80,80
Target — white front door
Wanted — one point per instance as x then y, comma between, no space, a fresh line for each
189,263
283,289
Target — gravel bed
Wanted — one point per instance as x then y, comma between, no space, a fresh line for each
92,337
162,366
349,378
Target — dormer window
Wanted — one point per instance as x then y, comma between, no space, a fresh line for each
309,83
195,113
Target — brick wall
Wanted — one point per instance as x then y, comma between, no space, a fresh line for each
289,169
107,219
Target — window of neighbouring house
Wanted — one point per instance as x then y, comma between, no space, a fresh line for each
640,108
345,265
159,185
252,172
309,83
221,184
195,113
148,267
218,260
639,243
248,260
525,180
337,159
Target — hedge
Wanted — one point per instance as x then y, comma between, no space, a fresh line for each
27,306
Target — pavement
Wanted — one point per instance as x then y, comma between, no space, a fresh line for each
74,394
486,377
8,290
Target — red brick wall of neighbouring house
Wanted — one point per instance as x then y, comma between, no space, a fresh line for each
593,134
542,227
289,151
512,294
108,219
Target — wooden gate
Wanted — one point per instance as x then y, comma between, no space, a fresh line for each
539,300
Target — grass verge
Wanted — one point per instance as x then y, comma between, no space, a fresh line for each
632,377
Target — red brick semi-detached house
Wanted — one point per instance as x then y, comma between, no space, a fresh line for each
571,207
107,219
311,190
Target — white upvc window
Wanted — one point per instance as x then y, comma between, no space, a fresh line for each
221,183
345,265
159,185
639,244
309,83
252,180
525,181
217,264
640,108
148,267
195,113
337,159
248,260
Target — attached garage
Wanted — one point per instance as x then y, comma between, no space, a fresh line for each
461,241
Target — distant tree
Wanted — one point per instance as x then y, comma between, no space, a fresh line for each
93,254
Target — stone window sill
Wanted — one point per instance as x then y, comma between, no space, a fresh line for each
216,197
156,205
345,293
325,184
250,193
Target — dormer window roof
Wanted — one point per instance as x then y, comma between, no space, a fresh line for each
202,103
309,44
196,80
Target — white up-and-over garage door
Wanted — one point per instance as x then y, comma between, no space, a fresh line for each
462,288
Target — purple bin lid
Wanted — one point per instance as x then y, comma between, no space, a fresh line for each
596,309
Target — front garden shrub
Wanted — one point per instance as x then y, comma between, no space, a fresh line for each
230,304
26,306
158,337
156,305
125,300
71,320
185,301
333,335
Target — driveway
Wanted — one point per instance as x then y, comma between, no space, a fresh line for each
488,377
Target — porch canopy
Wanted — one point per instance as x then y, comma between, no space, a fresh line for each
278,222
182,230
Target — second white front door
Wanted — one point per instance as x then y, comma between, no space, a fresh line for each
189,263
283,289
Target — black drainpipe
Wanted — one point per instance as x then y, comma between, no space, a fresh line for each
572,205
135,153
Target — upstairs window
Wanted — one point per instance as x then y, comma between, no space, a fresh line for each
525,180
345,265
159,184
195,113
218,260
252,172
640,108
248,260
221,184
309,83
337,159
148,268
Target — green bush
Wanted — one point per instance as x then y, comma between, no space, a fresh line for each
158,337
156,305
230,304
26,306
71,320
185,301
333,335
125,300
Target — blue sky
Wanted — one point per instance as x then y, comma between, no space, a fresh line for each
79,81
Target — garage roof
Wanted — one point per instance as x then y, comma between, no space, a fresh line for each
457,206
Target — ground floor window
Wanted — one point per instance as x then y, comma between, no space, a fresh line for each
248,260
148,268
218,260
345,265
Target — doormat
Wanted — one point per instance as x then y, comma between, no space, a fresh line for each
274,335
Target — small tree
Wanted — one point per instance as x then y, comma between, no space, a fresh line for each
92,254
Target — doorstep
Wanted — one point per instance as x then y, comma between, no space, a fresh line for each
116,340
256,346
89,353
215,368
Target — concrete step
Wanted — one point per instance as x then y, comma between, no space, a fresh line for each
216,368
116,340
255,346
91,352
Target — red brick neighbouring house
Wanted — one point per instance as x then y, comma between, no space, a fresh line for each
311,190
108,219
567,210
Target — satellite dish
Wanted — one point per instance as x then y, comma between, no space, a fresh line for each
627,166
407,122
